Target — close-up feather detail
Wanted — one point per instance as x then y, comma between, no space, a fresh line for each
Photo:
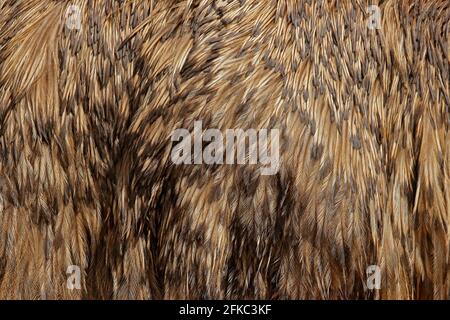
86,177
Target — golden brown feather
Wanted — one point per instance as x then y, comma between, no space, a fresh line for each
86,179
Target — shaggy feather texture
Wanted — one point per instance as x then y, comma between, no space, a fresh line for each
86,179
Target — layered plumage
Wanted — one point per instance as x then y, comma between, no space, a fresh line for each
86,122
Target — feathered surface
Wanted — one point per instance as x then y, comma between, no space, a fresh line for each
86,118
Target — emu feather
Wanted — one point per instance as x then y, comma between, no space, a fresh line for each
86,117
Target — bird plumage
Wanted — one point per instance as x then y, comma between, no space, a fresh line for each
86,118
